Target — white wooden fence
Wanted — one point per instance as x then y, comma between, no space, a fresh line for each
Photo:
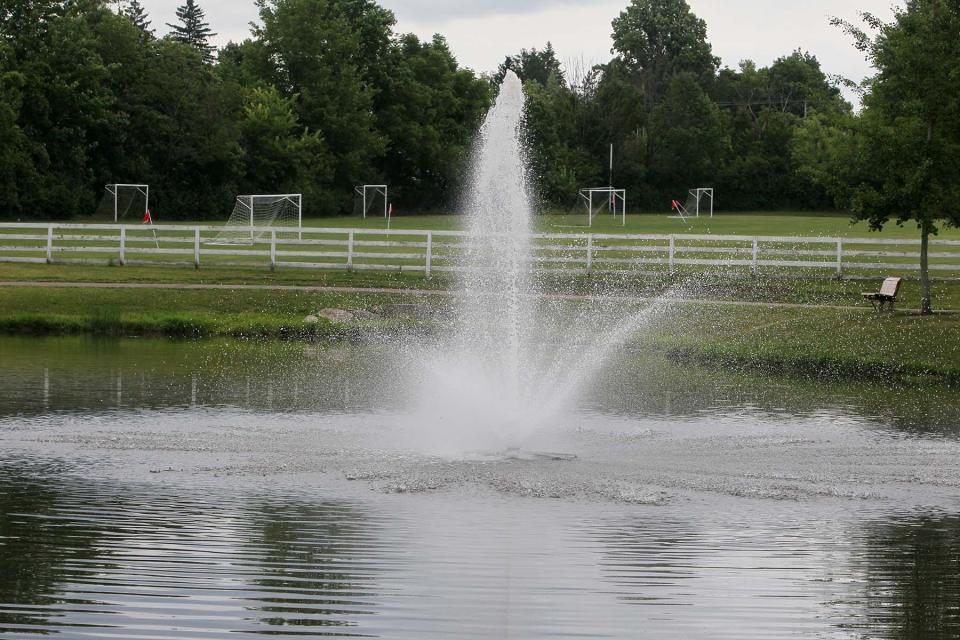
443,251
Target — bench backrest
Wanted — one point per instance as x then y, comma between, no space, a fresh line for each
891,286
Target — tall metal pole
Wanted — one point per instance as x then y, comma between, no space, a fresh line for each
611,165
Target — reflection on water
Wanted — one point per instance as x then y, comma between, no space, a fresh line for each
912,576
102,559
80,374
168,490
127,561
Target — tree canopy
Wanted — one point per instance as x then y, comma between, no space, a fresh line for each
327,94
902,162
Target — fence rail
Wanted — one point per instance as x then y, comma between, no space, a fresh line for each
431,252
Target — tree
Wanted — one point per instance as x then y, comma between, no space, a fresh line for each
428,109
138,16
658,39
55,73
903,163
192,29
18,172
796,83
687,140
538,66
324,52
280,156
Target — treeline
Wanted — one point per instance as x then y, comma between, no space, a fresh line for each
325,95
677,120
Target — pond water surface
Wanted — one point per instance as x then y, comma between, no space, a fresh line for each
153,489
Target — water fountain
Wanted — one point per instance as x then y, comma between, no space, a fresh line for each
516,359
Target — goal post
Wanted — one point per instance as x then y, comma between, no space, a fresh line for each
703,197
259,213
121,201
699,200
598,200
370,198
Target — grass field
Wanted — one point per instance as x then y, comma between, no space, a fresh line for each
749,223
809,341
813,291
818,340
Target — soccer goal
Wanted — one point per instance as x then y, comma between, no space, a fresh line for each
370,199
258,214
699,201
600,200
124,201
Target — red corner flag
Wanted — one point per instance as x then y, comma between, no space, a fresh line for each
147,218
390,210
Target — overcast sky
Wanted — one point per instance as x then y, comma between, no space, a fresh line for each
482,33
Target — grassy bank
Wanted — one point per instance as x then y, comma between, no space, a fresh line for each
823,343
177,313
817,341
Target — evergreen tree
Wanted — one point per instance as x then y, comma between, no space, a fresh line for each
138,15
192,29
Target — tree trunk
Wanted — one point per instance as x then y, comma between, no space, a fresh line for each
926,308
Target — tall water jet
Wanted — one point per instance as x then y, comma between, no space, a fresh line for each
512,362
494,320
474,393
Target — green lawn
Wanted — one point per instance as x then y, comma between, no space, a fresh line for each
820,341
173,312
824,343
785,223
817,341
749,223
816,291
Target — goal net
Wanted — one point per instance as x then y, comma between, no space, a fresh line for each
255,215
370,200
594,203
124,202
699,202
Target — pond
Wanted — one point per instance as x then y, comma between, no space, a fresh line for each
158,489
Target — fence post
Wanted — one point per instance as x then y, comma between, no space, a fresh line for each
196,247
756,254
673,250
350,251
273,250
839,259
123,246
50,244
589,253
429,264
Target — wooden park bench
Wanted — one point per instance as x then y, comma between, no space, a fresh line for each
887,294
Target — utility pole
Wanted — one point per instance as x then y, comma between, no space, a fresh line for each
611,165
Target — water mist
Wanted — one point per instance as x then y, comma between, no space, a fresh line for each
514,360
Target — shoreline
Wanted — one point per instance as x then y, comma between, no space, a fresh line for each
799,330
